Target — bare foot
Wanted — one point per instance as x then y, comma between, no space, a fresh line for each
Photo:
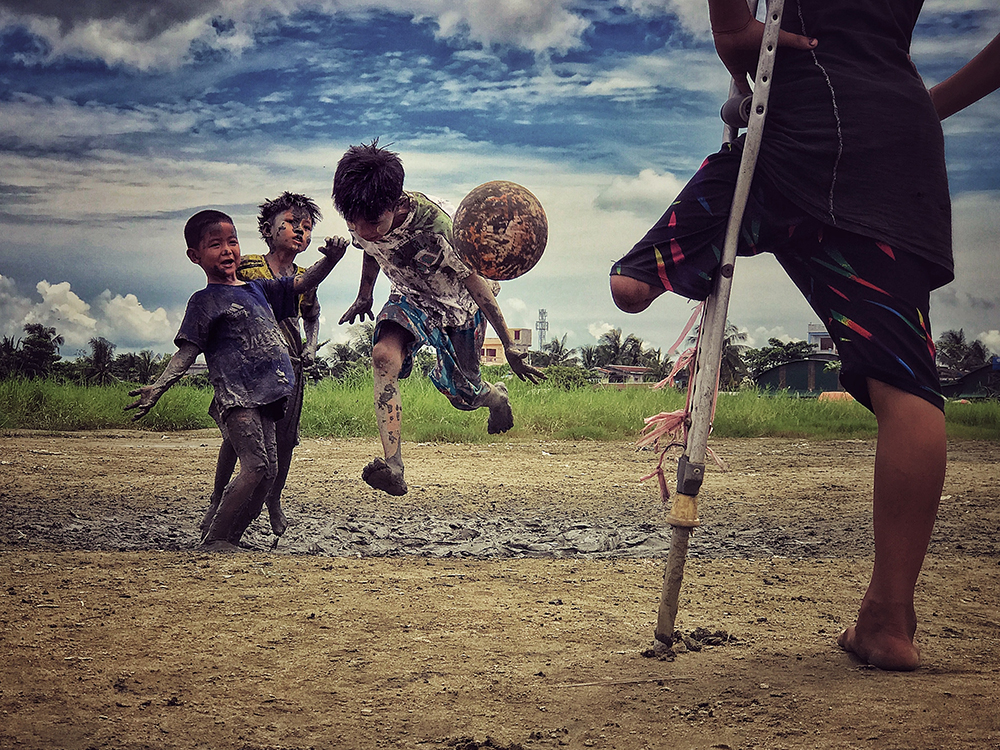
220,546
381,476
883,638
206,521
279,523
501,416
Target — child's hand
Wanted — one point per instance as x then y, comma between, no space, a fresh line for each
148,396
522,369
334,248
361,307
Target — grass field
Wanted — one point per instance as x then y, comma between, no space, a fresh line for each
344,409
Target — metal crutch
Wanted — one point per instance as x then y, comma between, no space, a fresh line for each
683,515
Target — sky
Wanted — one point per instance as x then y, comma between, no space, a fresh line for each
119,120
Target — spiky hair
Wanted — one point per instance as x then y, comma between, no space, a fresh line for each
368,182
285,201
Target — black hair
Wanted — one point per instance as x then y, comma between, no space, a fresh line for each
368,182
198,224
285,201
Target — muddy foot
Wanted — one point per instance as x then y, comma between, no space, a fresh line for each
381,476
206,521
501,416
219,546
279,523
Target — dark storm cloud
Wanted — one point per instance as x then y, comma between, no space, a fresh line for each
148,20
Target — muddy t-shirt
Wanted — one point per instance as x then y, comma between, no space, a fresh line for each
236,328
422,265
255,267
851,135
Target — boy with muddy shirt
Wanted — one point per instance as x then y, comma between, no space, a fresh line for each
285,224
235,324
436,301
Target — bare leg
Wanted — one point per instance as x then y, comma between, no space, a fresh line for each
632,295
910,465
496,399
387,360
224,467
273,500
249,434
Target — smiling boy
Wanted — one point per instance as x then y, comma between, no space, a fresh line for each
235,324
285,224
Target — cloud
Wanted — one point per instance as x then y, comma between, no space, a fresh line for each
166,34
599,329
646,194
991,340
121,320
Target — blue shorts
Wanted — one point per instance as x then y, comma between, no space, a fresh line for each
456,372
874,299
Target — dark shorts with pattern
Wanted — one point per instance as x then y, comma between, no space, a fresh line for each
873,298
456,373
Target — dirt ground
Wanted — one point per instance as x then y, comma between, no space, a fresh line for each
508,601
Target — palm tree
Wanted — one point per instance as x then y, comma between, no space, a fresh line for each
953,352
99,367
39,350
588,356
732,368
558,354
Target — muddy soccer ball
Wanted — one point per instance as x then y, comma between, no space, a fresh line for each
500,230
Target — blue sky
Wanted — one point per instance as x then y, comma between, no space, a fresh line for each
118,121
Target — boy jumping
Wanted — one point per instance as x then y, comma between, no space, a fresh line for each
235,324
436,301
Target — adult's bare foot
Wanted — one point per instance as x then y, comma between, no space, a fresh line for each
206,521
382,476
501,416
883,638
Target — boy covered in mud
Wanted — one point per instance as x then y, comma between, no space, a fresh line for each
436,300
851,195
235,324
285,224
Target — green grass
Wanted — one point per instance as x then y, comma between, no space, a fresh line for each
345,409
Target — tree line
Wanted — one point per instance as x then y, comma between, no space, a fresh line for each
36,355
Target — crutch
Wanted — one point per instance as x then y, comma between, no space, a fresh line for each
683,515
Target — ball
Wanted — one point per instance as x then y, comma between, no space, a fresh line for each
500,230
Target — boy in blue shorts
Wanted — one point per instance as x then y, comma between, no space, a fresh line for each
235,324
436,301
851,196
285,224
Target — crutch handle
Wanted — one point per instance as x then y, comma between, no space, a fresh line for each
736,111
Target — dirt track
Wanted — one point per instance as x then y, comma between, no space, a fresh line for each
506,602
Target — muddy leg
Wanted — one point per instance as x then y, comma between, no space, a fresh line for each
387,358
248,436
498,402
224,467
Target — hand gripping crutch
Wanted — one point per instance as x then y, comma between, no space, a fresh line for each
691,466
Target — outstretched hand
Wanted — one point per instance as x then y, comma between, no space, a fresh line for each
334,248
148,396
739,49
359,309
521,368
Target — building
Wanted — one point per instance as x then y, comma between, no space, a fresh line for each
622,375
822,341
492,351
803,377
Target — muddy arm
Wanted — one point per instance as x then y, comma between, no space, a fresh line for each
148,395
